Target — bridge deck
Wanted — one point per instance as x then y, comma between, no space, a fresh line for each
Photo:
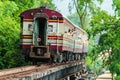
47,72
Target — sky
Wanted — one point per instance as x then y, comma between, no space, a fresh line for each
62,5
107,5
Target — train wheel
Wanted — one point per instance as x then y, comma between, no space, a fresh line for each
56,58
79,57
51,59
34,62
60,58
64,56
72,56
76,56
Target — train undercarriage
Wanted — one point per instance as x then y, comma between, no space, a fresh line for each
45,55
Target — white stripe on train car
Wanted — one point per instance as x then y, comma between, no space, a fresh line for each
27,40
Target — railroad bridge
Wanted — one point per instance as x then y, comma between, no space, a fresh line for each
73,70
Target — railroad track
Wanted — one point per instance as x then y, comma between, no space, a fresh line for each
25,70
20,71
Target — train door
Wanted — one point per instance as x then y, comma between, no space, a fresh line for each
35,33
40,49
40,31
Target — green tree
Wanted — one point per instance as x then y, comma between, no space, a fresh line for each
84,9
104,26
10,52
74,18
8,31
116,6
107,27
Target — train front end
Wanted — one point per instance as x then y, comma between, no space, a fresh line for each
34,24
40,48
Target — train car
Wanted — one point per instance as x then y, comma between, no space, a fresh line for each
46,35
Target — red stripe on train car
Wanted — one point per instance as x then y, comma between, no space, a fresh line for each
60,21
56,47
26,36
61,48
31,20
55,37
28,20
25,46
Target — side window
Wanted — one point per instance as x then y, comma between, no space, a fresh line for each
50,28
30,27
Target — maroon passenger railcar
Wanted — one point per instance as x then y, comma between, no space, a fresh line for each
48,36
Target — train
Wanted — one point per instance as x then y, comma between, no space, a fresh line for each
48,36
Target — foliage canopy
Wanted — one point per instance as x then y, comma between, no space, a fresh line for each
10,52
106,28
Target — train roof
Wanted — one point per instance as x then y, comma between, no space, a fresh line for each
29,14
75,25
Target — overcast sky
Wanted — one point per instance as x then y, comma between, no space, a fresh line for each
107,5
63,6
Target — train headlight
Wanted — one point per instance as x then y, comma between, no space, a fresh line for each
54,17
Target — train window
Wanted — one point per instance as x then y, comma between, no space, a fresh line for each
30,27
50,28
